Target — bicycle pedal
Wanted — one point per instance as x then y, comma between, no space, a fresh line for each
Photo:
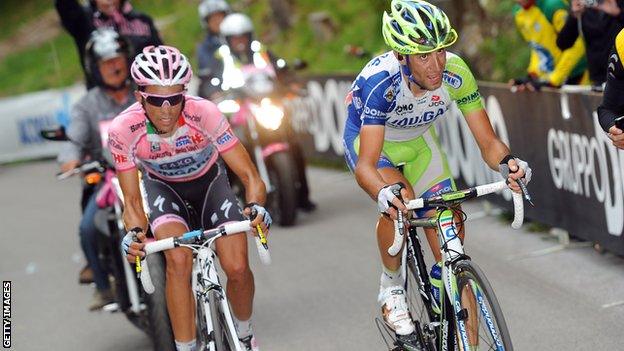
408,342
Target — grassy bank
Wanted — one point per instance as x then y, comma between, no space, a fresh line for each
53,63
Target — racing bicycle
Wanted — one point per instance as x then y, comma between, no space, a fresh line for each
470,316
215,326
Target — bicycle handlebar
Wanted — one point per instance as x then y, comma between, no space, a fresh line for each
81,168
456,197
196,237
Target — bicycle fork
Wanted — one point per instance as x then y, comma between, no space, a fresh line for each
452,251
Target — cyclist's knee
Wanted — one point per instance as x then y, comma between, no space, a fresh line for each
384,222
179,262
237,271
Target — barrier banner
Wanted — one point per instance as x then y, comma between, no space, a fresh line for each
577,173
25,115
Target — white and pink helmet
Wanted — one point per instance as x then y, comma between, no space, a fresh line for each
161,65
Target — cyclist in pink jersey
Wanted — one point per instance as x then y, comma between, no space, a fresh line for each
180,143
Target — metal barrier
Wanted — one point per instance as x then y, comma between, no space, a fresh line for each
578,174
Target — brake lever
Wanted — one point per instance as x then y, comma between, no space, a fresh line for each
525,192
400,217
263,239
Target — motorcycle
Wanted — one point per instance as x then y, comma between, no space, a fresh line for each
146,312
251,99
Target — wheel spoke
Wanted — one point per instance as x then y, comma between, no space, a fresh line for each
477,294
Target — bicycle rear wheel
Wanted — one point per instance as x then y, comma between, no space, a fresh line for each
477,297
224,340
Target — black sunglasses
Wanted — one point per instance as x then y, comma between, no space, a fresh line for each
159,100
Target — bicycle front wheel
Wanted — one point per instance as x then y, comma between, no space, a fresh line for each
485,323
224,340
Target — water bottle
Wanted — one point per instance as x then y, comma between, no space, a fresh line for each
435,278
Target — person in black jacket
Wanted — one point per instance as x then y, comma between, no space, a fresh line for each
612,105
80,21
600,21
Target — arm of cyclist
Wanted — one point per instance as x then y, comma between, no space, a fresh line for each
367,176
611,108
133,215
494,151
239,161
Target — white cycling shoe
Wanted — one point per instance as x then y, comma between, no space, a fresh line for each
394,310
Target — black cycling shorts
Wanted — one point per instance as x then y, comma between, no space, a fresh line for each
210,196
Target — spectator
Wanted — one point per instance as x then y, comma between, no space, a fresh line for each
612,105
106,58
539,22
80,21
599,22
211,14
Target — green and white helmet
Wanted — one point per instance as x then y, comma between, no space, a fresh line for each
416,27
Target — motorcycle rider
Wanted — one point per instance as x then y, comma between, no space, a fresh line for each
180,142
106,58
211,14
238,32
80,21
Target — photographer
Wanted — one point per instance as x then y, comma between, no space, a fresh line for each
599,21
612,105
80,21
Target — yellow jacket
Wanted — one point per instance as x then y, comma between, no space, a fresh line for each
539,26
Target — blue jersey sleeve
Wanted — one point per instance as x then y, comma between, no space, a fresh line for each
372,98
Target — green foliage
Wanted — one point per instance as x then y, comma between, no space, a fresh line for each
15,11
52,64
55,64
357,23
180,27
508,52
510,56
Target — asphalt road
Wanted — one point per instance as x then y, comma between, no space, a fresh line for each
319,293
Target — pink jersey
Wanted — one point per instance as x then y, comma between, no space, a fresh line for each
202,134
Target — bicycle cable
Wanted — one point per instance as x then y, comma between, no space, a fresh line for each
457,211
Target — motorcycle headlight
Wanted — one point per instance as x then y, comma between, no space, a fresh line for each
268,114
228,106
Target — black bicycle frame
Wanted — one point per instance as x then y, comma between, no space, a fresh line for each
445,333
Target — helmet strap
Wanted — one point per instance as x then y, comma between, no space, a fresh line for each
405,69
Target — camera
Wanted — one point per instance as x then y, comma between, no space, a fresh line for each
591,3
